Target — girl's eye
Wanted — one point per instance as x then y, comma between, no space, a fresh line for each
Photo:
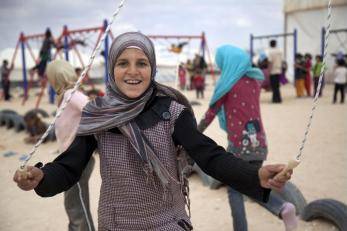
122,64
142,64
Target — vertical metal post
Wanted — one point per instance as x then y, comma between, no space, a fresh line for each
51,92
25,82
322,41
295,45
251,46
203,42
106,51
66,42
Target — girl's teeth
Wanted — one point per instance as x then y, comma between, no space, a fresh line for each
132,81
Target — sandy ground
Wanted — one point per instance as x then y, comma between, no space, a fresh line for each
322,173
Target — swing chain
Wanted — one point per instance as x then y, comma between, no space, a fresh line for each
76,86
321,76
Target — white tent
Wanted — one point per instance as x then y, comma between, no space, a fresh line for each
309,17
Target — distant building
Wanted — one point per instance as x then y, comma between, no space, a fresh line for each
309,17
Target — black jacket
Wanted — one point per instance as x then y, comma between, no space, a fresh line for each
67,168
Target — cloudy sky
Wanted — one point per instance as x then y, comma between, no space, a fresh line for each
223,21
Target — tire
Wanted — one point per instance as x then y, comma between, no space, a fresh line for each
9,120
2,119
18,123
328,209
8,111
292,194
4,115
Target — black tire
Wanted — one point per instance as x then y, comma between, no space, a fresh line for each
9,117
18,122
328,209
292,194
195,103
8,111
4,114
2,119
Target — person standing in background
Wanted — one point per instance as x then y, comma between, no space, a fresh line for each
299,75
5,79
316,70
236,103
340,80
62,77
275,58
308,66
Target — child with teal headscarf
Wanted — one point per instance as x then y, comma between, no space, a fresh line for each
236,103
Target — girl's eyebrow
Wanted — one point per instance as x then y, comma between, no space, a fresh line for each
142,59
121,60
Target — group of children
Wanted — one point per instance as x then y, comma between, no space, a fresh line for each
302,73
196,72
304,68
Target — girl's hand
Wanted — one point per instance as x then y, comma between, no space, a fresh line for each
267,175
28,178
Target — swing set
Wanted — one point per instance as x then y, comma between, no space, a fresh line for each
69,43
335,32
294,34
177,49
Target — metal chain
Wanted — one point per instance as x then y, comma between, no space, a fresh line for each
328,22
77,85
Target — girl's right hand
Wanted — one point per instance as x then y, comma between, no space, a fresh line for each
28,178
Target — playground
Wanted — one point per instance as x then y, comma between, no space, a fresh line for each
320,175
318,185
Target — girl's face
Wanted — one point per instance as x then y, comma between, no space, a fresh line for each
132,72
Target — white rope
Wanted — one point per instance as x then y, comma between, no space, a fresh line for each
77,84
328,22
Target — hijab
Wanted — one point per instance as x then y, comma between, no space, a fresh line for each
117,110
234,64
61,76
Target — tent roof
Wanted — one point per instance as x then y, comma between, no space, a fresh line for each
300,5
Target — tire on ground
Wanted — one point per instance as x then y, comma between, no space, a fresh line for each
327,209
4,114
18,122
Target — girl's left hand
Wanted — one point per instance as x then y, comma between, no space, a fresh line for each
267,175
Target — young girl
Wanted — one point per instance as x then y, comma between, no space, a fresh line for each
308,66
62,77
236,102
199,84
138,127
299,75
316,70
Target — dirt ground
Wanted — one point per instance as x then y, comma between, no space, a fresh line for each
322,173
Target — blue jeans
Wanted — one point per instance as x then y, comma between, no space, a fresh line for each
236,201
274,205
238,212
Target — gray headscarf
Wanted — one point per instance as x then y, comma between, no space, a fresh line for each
117,110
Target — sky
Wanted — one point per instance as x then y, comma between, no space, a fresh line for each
223,21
